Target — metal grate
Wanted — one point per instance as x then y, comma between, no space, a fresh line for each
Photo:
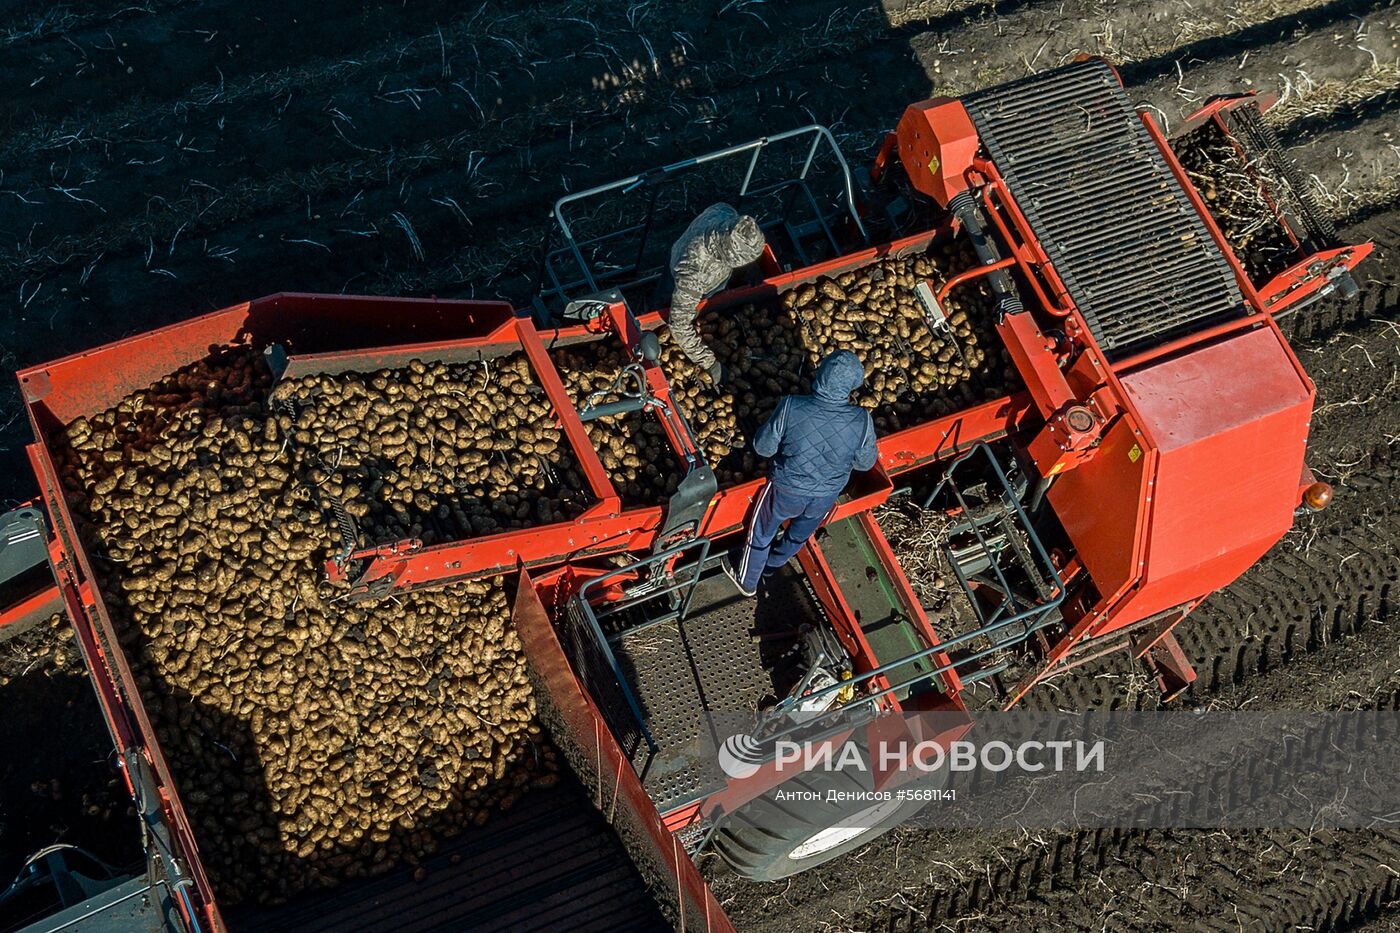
595,671
1134,255
721,658
1268,153
693,835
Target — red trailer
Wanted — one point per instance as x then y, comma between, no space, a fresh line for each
1155,452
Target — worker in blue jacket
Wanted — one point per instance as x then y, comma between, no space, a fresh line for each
815,441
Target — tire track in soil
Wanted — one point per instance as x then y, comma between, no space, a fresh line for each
1121,880
1174,879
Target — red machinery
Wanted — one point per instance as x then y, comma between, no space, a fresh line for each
1155,453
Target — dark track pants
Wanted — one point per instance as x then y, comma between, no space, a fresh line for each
804,514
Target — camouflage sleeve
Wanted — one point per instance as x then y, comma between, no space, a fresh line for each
684,301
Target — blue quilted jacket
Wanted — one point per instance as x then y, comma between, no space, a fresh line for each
816,440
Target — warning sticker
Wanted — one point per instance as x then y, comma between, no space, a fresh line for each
1134,454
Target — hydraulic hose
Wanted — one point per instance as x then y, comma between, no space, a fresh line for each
612,408
968,211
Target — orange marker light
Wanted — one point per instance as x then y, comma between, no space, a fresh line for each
1317,496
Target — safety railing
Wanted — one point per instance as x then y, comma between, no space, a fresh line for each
634,252
664,575
1013,563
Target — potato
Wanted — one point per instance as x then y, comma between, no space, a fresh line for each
624,442
309,736
912,373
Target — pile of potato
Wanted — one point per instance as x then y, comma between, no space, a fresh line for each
436,451
913,374
1232,196
633,447
312,739
763,350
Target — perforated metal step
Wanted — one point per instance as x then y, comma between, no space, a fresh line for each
724,658
1134,255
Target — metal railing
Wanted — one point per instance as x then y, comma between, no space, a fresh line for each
1002,513
1009,622
658,576
619,258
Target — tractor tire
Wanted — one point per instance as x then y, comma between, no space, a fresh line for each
767,839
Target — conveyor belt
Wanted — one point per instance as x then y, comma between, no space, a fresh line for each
1134,255
549,863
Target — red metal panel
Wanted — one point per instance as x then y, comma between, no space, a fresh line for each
1101,506
1306,276
937,143
1035,359
113,681
88,382
941,438
31,609
1230,421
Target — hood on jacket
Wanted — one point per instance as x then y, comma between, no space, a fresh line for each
741,244
838,375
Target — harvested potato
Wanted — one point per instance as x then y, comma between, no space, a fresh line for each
434,451
312,739
913,374
1234,198
633,447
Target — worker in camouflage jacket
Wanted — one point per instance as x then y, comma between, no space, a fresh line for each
814,441
716,243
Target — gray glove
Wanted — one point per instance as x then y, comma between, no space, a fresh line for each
718,374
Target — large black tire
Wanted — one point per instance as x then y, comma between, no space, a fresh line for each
767,839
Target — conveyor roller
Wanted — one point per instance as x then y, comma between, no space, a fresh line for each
1069,145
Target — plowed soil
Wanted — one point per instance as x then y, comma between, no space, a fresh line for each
167,158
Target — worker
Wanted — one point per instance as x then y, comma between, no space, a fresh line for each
815,441
716,243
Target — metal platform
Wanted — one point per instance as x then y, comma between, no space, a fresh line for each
1133,253
870,593
726,656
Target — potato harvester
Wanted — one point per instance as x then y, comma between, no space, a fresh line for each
1153,453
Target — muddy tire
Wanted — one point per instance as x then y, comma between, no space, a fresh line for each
768,839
